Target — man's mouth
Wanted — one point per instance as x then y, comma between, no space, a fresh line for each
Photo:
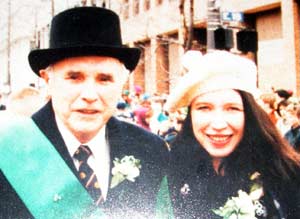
88,111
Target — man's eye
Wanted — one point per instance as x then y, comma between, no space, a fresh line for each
105,78
74,76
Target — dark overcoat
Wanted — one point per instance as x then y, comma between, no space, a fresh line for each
137,198
196,189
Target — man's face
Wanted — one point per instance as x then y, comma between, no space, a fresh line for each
84,92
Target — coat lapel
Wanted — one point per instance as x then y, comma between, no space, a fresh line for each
118,145
45,120
117,150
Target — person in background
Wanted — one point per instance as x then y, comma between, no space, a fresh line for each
170,128
25,101
229,160
126,98
73,159
123,113
283,94
282,101
136,96
2,106
293,134
286,111
138,90
268,102
143,114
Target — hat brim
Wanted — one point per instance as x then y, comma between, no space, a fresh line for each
214,71
42,58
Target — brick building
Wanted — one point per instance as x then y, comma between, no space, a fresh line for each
154,26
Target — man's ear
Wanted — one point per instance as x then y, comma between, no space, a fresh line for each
44,74
125,75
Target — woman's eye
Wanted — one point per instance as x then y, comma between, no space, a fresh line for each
203,108
235,108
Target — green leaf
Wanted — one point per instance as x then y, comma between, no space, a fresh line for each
116,179
254,187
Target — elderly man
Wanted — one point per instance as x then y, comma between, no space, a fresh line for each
74,159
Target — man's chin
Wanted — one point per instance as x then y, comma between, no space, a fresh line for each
87,127
85,135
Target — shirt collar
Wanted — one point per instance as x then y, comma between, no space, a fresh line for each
72,143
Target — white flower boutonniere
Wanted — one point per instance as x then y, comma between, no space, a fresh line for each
244,206
126,168
185,189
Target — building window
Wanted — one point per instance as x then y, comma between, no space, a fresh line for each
32,44
159,2
125,9
38,45
147,5
136,5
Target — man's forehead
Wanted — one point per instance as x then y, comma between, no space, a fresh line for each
86,60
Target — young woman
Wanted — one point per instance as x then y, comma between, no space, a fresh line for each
229,160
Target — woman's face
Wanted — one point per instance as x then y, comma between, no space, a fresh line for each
218,121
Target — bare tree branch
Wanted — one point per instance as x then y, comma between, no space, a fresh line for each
186,30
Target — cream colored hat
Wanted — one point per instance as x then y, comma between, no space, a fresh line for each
213,71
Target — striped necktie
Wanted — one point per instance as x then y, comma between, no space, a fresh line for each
86,174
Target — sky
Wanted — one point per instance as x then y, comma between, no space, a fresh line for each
26,16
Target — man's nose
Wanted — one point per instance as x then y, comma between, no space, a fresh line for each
89,92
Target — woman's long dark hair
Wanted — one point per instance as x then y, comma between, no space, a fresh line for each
261,149
269,152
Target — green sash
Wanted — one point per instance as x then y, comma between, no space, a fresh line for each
39,175
164,208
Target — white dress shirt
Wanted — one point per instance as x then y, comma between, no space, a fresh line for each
99,161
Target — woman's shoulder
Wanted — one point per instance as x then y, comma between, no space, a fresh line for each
289,199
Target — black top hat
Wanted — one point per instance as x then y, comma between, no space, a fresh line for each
84,31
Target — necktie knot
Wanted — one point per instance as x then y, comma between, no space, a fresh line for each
82,153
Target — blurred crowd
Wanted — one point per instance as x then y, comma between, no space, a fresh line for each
284,110
147,111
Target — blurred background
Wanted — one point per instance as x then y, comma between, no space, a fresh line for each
266,31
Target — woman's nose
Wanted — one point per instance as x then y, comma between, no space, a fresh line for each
218,121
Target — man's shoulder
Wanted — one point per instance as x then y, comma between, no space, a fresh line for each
129,128
14,123
132,138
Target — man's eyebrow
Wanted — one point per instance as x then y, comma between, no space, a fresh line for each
104,73
107,74
73,72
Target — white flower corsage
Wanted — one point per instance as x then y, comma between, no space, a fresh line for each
126,168
185,189
244,206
